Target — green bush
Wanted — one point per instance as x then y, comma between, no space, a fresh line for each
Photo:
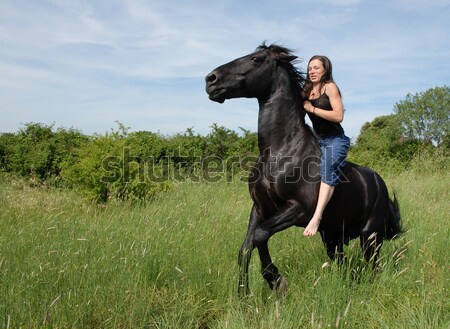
113,166
36,151
382,146
135,166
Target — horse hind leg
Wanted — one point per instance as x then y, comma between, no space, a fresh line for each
334,247
371,245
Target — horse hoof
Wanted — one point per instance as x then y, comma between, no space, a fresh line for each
281,287
243,292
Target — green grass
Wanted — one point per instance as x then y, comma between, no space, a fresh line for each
65,263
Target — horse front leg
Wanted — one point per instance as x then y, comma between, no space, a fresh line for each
270,272
285,218
245,253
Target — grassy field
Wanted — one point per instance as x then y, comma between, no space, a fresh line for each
65,263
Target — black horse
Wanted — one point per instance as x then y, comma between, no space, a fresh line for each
284,182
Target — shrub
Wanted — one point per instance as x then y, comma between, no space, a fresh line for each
37,151
105,168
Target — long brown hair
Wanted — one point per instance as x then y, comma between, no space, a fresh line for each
326,78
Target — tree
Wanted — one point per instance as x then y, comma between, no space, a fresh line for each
377,142
425,116
380,135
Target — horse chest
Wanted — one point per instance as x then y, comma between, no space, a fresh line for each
267,184
264,194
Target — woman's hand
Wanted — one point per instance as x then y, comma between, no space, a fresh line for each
337,112
308,107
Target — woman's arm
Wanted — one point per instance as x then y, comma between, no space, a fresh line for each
337,114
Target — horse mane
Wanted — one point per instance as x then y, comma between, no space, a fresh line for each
288,60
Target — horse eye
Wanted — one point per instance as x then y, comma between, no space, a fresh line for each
257,59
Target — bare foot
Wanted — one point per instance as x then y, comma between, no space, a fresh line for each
312,227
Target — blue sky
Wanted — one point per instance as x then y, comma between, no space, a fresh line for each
87,64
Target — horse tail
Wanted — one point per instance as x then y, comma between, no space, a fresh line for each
394,225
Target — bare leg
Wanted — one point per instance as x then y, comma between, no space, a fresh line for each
325,193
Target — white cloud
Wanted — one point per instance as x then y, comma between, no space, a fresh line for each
88,63
342,2
417,4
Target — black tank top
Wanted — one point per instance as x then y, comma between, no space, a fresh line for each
321,126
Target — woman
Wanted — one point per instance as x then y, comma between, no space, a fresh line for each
326,111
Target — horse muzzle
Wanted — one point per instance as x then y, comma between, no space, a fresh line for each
215,92
217,95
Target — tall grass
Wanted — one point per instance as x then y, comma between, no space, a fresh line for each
65,263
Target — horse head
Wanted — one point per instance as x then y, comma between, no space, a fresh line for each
248,76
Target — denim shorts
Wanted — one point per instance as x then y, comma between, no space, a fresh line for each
334,152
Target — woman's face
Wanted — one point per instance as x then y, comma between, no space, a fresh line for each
316,70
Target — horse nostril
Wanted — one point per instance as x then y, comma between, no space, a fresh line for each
211,78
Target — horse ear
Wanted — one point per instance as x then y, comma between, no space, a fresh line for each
285,57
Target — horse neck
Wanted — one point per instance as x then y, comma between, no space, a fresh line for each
281,120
